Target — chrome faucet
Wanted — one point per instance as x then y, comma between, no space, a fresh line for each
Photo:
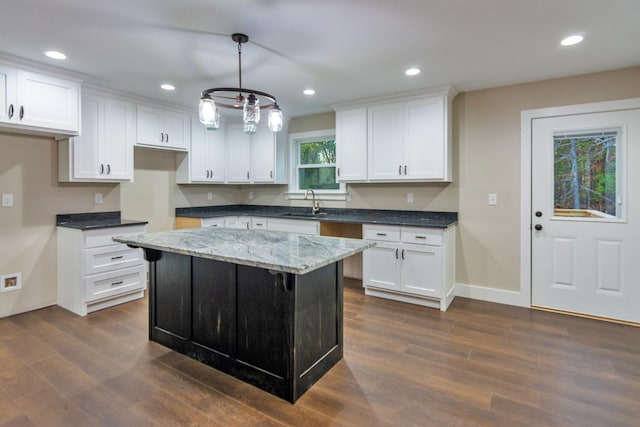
314,205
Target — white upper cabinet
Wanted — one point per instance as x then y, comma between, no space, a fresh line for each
104,150
165,129
263,156
386,145
228,155
238,154
351,144
39,102
395,139
206,160
255,159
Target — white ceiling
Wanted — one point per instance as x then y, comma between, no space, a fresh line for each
345,49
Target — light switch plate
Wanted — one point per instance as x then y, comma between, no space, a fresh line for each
7,200
409,197
493,199
98,198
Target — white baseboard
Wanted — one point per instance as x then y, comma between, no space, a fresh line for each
482,293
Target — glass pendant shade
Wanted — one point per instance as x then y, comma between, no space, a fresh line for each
251,110
250,127
276,119
208,113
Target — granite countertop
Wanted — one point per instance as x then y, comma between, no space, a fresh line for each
94,220
274,250
358,216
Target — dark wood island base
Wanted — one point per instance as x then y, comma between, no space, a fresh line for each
278,331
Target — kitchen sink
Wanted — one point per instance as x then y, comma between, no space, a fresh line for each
305,214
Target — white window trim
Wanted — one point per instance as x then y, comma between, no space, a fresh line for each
294,193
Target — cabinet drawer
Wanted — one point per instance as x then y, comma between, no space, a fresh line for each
213,222
113,257
381,232
106,285
258,223
103,236
421,236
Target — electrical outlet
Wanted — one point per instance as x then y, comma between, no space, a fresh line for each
493,199
250,195
209,195
7,200
409,197
98,198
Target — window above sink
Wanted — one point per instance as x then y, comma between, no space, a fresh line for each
313,157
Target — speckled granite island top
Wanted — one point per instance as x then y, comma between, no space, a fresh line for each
287,252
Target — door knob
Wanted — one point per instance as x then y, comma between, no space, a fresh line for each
538,227
538,214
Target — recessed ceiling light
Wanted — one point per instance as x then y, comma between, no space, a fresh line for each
54,54
309,92
412,71
571,40
167,86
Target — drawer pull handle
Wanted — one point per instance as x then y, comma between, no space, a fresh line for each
113,258
403,254
117,283
396,253
381,234
259,224
421,237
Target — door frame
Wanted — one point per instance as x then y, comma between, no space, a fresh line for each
526,135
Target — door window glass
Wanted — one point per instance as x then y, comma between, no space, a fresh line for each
586,175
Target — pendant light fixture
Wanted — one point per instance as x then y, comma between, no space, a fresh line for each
248,100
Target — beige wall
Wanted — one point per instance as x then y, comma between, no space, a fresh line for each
488,142
29,171
486,138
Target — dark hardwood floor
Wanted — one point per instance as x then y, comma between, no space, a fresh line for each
476,364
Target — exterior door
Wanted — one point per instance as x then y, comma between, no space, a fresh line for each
586,214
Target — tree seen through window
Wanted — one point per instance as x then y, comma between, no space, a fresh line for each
317,165
585,172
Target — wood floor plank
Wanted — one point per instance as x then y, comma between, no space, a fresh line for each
477,364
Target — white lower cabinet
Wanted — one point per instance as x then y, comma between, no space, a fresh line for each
409,264
94,272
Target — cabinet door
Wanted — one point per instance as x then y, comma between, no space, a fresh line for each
48,102
119,138
177,128
380,266
238,154
8,94
385,126
351,145
421,270
216,154
198,158
424,138
86,147
263,148
149,126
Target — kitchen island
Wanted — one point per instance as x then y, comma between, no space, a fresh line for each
263,306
